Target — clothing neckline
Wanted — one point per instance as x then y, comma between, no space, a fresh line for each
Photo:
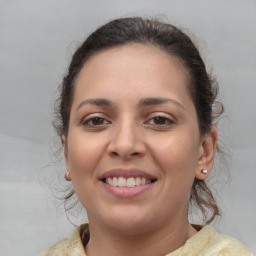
203,231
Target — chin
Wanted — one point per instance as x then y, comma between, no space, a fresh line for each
130,228
127,222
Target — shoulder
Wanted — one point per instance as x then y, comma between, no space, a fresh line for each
226,245
211,242
58,249
74,245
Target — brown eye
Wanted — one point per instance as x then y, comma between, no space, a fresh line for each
95,121
160,120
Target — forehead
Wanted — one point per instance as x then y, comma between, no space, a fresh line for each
132,69
131,53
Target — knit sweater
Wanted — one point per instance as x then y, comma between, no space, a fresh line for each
207,242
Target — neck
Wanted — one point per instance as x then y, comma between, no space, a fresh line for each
160,241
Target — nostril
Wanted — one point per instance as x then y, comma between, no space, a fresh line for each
114,154
126,148
119,154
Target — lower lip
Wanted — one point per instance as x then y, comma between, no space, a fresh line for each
126,192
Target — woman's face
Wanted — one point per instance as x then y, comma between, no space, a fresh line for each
133,148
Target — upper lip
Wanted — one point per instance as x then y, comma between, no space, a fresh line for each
127,173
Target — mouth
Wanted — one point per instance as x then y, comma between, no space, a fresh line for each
127,182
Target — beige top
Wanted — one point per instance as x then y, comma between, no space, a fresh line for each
206,242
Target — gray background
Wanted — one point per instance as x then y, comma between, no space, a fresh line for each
36,41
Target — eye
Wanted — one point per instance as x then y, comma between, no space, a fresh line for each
160,121
95,122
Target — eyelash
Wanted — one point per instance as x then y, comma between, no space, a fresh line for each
164,121
96,122
89,122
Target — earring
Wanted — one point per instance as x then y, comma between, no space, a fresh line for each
67,176
204,171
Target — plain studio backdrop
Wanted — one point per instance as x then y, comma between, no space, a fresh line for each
37,38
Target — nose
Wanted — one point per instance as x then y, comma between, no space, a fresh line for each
127,141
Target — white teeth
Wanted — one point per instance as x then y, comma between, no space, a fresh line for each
129,182
109,181
137,181
115,183
121,182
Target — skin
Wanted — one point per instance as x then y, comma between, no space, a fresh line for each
128,134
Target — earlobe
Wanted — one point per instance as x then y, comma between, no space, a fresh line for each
206,154
67,176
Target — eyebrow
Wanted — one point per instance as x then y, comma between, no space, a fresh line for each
98,102
143,102
156,100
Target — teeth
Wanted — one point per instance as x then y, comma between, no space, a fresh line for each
109,181
114,181
137,181
121,182
129,182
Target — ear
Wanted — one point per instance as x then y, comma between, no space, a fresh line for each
207,150
65,147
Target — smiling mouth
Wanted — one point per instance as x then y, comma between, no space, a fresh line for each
128,182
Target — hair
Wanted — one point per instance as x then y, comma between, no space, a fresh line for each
202,87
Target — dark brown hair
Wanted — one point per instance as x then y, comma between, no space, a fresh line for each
202,88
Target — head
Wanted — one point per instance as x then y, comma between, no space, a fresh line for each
169,41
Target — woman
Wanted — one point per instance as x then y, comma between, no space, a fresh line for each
136,122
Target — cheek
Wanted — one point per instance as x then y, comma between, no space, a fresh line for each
177,157
176,152
84,153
